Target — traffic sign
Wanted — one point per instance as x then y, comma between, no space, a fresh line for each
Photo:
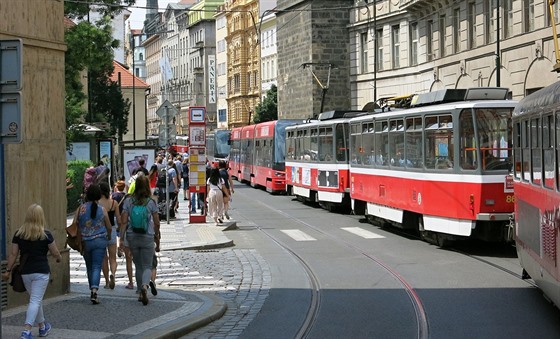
166,110
171,134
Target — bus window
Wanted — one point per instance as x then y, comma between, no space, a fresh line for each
368,144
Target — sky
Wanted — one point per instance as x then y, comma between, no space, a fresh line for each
139,14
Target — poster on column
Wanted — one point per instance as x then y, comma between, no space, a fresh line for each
106,154
78,151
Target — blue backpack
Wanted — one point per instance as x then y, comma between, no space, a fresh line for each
139,218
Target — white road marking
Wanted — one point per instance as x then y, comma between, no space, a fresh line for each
363,233
298,235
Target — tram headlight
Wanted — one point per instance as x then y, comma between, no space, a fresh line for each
278,174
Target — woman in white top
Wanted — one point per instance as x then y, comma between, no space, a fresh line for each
215,187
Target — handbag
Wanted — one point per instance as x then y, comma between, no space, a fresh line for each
17,280
74,236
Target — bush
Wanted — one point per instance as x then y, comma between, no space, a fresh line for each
75,171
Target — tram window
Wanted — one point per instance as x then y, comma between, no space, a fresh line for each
517,150
526,146
341,133
381,142
307,154
467,141
290,145
326,144
356,142
368,145
396,143
438,147
494,137
299,145
548,151
536,165
314,142
413,143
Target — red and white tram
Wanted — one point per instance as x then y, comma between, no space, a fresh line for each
440,167
258,154
317,159
536,122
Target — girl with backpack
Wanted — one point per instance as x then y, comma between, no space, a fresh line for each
141,229
110,260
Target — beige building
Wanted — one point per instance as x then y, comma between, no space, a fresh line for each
405,47
152,46
221,68
43,127
243,61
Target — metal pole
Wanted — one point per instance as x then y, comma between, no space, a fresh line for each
134,88
166,163
375,52
498,62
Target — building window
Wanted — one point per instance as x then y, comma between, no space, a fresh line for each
395,36
456,30
471,25
442,36
364,49
490,13
414,44
379,53
529,15
429,39
222,115
508,18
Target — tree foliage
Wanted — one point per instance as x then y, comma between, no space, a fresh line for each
80,9
267,110
89,60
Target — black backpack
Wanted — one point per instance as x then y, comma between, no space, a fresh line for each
161,178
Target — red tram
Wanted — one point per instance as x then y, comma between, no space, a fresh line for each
257,154
536,122
440,167
218,146
317,167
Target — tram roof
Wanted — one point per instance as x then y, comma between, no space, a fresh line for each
547,97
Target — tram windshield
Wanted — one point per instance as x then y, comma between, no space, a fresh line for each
222,145
486,139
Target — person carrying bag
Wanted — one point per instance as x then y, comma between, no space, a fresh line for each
33,242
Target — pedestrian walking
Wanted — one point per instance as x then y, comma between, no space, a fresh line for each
32,242
110,261
142,228
96,230
215,186
228,183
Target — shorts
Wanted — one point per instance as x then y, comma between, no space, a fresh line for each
113,240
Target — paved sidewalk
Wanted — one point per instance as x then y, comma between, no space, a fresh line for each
170,314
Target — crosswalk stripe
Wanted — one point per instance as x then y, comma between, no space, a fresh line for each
363,233
298,235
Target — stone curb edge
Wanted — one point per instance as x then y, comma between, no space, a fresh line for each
213,309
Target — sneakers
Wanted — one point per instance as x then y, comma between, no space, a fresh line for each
129,286
153,288
26,335
45,331
93,298
144,296
227,215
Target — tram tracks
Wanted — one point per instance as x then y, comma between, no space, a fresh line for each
313,311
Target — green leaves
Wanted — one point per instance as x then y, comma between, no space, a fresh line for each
267,110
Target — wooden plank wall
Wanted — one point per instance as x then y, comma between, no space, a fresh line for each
35,169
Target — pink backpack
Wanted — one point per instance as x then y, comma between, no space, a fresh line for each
90,176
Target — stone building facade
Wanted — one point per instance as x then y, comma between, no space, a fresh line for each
312,39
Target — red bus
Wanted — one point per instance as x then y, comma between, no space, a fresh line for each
536,183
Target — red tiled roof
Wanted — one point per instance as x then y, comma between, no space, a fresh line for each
136,31
68,23
126,76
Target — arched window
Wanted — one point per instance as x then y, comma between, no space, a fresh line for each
140,56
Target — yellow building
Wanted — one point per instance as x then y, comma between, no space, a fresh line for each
243,61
